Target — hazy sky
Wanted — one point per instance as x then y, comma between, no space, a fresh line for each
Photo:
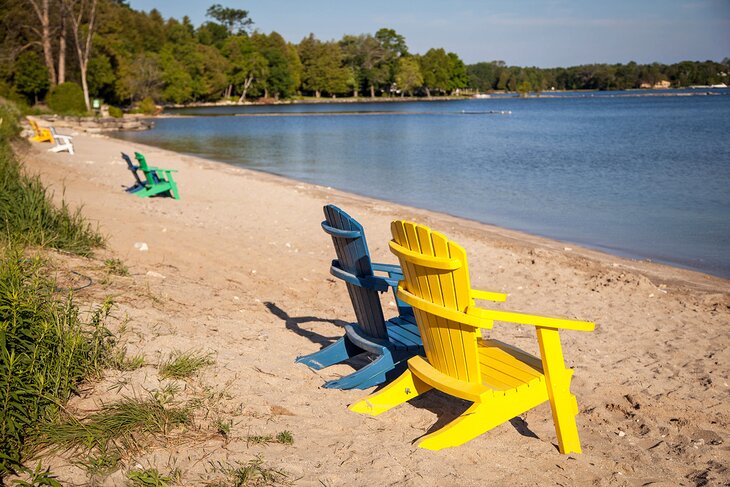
540,33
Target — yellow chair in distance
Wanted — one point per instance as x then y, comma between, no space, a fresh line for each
500,380
42,134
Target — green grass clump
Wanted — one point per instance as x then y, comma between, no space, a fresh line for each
46,350
150,477
182,365
117,426
223,427
120,361
116,266
284,437
253,474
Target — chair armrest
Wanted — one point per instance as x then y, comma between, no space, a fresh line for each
489,316
488,296
376,283
336,232
394,271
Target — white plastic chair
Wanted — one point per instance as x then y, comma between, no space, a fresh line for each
63,142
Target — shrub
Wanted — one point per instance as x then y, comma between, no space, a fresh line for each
116,112
9,127
67,99
148,106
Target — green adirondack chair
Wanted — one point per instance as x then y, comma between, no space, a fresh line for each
158,181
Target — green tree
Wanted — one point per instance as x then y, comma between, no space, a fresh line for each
458,79
101,76
394,47
283,65
435,67
322,67
141,78
246,65
236,21
177,82
408,76
31,75
366,57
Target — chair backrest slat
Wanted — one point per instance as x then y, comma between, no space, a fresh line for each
354,257
450,345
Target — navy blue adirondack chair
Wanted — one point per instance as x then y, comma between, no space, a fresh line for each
133,169
392,341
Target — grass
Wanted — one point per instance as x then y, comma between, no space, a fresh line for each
223,427
283,437
27,214
255,473
121,361
116,267
46,350
150,477
119,426
182,365
37,477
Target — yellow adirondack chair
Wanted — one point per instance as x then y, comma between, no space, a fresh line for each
42,134
500,380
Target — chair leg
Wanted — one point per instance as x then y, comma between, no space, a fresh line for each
402,389
368,376
335,353
482,417
173,189
563,404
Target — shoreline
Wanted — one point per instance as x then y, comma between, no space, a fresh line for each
697,91
238,267
599,252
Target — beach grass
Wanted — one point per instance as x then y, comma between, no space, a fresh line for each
183,365
253,473
119,426
116,267
149,477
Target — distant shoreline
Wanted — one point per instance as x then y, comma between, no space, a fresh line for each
699,91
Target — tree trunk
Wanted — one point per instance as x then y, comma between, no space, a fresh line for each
317,94
428,92
372,91
62,52
83,52
41,11
246,84
85,84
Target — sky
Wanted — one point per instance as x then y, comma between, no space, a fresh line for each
543,33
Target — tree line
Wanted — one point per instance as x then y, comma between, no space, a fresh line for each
123,56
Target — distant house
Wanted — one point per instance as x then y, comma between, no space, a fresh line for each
658,85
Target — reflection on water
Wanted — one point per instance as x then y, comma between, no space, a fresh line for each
640,176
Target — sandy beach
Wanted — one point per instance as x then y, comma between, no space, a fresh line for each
238,267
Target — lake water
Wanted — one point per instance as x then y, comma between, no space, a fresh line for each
645,177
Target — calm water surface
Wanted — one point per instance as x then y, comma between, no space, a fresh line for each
645,177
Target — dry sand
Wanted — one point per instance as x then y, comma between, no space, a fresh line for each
239,267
